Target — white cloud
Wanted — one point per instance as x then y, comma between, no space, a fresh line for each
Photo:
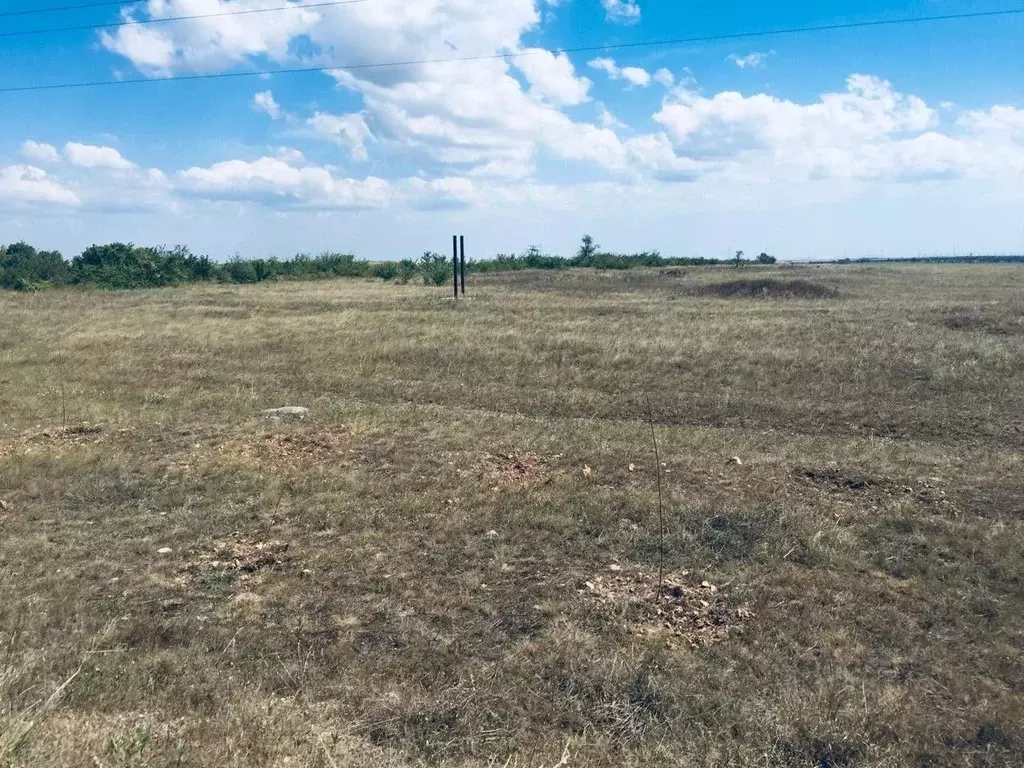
41,153
274,182
264,102
621,11
350,131
28,184
753,60
553,77
206,44
88,156
1001,122
664,77
730,123
632,75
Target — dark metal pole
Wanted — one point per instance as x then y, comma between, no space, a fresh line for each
462,261
455,265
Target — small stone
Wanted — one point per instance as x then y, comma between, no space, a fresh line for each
288,411
4,506
632,467
587,471
164,551
307,571
491,534
615,567
735,460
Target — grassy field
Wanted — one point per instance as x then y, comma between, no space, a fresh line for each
453,560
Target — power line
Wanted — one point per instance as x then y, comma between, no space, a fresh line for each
520,54
71,7
23,33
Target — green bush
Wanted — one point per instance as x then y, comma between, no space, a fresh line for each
386,271
23,268
435,268
407,270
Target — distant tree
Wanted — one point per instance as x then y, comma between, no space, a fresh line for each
764,258
587,251
738,259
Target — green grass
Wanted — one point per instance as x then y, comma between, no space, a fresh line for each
874,529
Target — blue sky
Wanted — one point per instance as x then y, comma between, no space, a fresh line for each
886,140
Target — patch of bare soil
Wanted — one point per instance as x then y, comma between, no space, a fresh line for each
306,449
515,469
766,288
249,556
52,440
974,320
695,614
833,480
929,492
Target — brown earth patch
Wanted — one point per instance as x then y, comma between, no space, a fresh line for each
52,440
696,614
515,469
305,449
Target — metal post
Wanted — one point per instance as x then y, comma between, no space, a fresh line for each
455,265
462,261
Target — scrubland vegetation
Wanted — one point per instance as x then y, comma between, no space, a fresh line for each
126,266
452,561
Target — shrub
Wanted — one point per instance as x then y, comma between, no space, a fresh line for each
386,271
435,268
23,268
407,270
764,258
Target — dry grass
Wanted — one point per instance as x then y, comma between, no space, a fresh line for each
400,579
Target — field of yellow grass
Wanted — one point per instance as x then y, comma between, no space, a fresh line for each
453,560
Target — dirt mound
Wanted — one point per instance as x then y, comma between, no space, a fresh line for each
766,288
697,614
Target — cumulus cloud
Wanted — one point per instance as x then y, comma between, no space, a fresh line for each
206,44
553,78
276,182
28,184
621,11
632,75
89,156
40,153
730,123
264,102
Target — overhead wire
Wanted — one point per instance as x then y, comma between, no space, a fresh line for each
168,19
106,4
525,53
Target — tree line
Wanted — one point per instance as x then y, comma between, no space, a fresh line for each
120,266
